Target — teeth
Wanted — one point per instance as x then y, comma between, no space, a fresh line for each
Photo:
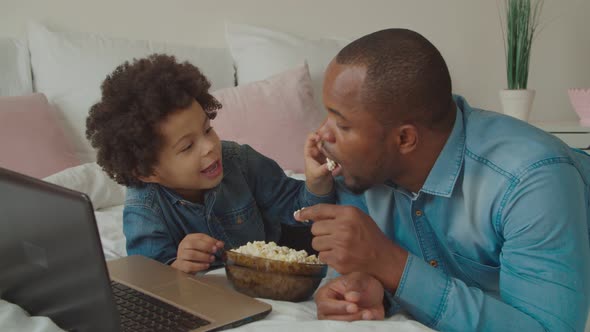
331,164
294,213
211,168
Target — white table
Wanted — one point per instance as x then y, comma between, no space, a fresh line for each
571,133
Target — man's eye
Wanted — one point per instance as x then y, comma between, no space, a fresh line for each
187,147
341,127
208,130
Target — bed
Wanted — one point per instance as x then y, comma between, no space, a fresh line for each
68,67
107,197
51,77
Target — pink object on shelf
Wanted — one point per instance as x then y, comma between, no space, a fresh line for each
580,100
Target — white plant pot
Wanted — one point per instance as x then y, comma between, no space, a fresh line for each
517,103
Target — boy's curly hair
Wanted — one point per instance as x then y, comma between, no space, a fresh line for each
136,97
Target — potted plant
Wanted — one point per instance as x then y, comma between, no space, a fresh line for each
519,28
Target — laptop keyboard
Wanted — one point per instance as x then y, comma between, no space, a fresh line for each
141,312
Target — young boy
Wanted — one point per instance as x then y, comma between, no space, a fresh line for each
190,194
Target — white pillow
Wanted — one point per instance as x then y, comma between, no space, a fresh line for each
259,53
91,180
15,68
68,67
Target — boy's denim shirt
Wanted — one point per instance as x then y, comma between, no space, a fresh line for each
249,204
498,234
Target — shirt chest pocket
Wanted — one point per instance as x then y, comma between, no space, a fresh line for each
476,274
246,217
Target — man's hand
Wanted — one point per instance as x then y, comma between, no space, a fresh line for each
317,176
195,252
349,241
351,297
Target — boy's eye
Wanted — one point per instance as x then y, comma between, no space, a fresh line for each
187,147
208,130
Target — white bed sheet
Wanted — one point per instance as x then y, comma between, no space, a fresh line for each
108,198
284,317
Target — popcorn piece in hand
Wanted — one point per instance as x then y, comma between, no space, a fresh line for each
331,164
294,213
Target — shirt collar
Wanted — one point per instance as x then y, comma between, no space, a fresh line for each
174,198
443,175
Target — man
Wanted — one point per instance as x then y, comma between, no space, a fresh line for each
466,219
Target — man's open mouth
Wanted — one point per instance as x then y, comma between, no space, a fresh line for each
333,167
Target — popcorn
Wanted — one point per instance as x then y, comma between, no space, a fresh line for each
294,213
272,251
331,164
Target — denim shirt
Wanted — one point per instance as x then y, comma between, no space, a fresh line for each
249,204
498,236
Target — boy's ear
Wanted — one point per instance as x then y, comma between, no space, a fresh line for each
154,178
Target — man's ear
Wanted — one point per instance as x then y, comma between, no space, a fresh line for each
407,138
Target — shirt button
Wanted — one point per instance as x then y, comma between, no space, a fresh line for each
418,213
433,263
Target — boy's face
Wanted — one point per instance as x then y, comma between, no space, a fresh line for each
190,158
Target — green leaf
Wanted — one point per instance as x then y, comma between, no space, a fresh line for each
522,20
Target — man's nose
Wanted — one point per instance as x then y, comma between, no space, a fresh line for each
325,133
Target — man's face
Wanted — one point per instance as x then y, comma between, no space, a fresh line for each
352,136
190,159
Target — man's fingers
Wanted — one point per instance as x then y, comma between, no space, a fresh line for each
345,317
323,227
321,243
336,307
352,296
374,314
318,212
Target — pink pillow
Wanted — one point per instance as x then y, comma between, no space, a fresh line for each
31,141
274,116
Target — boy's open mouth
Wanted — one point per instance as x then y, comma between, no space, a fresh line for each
213,170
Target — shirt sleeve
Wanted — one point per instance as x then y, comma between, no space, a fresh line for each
276,193
544,264
147,235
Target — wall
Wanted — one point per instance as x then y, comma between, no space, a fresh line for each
467,32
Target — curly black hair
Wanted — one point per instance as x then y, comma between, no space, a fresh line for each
136,97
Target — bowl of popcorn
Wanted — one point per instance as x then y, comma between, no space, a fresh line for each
266,270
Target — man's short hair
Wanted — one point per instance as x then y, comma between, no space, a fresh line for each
407,78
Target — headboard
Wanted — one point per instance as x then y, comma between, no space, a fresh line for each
468,33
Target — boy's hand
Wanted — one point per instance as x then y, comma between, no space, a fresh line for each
195,252
317,176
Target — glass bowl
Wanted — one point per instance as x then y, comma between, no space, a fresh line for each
273,279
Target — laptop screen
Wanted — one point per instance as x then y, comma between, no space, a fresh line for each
51,261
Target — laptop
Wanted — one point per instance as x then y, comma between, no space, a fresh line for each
52,264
